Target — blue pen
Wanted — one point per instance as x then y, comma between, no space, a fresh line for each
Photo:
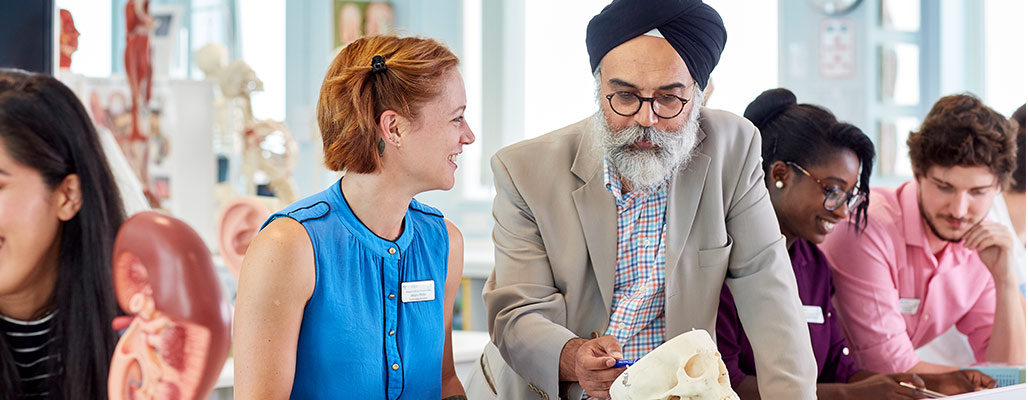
623,363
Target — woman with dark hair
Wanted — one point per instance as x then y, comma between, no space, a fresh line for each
59,213
349,293
818,172
1013,199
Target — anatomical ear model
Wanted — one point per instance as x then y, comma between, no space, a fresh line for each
177,334
238,223
687,367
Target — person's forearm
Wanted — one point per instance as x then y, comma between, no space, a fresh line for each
1007,343
567,360
859,376
834,391
928,368
747,388
452,386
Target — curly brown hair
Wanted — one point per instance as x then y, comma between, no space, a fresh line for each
353,98
960,130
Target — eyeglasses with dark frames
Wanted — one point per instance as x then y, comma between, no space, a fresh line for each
834,197
627,104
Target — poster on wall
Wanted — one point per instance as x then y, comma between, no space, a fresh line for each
837,48
356,19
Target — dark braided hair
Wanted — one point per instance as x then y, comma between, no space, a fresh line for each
807,134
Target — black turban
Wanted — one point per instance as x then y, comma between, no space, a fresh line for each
694,29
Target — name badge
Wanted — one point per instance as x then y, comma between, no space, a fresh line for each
417,291
909,306
814,314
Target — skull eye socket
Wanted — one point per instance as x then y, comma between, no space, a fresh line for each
696,366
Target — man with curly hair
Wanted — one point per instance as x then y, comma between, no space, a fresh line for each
929,260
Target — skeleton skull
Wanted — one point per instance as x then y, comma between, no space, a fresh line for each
685,367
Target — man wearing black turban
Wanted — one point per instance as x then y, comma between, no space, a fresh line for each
616,233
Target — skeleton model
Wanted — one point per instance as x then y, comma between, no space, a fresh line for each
686,367
267,146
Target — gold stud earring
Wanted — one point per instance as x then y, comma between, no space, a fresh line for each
779,184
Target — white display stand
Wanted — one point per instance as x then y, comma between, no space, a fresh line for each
187,119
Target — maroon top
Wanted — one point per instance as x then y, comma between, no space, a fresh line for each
814,281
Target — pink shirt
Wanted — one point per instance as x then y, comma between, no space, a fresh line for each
894,296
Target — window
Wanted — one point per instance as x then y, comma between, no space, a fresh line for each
93,21
262,26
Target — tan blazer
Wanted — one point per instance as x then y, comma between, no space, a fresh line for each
556,248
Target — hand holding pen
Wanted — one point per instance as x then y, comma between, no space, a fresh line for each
927,393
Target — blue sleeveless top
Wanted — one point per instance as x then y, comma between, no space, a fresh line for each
359,338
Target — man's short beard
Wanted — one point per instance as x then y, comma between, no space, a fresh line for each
935,230
647,169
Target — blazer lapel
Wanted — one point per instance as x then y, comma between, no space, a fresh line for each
683,202
597,214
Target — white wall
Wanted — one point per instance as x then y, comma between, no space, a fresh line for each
262,26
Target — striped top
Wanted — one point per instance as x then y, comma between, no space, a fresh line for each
31,344
637,309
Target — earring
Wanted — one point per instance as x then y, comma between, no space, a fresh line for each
779,184
381,147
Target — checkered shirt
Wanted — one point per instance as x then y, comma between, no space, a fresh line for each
637,311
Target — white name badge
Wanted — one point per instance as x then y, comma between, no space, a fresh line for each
814,314
417,291
909,306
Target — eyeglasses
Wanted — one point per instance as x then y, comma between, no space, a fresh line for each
627,104
834,197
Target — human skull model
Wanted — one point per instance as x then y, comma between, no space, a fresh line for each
685,367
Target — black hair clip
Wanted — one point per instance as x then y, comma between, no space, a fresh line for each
378,64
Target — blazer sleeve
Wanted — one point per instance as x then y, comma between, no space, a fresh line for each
729,337
761,279
526,312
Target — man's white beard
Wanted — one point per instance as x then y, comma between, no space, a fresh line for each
647,169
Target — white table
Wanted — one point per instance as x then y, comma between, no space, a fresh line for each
1014,392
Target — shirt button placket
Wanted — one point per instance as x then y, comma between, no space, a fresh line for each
392,282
